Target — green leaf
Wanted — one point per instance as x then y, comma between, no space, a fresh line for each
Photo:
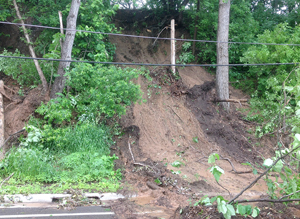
288,88
297,136
241,209
297,112
278,166
213,199
230,208
255,212
222,206
212,158
248,209
217,172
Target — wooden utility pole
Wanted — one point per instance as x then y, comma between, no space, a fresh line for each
173,46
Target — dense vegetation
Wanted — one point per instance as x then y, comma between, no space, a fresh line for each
69,144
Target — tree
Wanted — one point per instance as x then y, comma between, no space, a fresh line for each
222,52
66,49
32,53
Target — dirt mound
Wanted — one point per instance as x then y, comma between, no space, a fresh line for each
225,129
18,108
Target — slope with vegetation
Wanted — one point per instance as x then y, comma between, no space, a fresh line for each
163,142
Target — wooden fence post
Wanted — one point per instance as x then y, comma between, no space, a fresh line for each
173,45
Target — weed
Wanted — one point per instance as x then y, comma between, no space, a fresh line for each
157,181
195,139
177,163
70,155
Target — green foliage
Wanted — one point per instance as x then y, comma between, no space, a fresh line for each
79,154
18,187
195,139
103,90
94,15
269,78
228,210
217,172
275,88
212,158
4,10
177,163
23,71
243,28
186,56
58,110
223,207
96,91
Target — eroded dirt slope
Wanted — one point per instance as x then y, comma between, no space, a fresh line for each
179,122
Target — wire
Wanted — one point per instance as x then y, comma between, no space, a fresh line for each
149,64
147,37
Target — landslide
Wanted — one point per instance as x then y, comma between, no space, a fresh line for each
178,123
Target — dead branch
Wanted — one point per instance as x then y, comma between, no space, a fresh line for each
11,90
231,100
137,163
11,136
233,169
129,146
176,114
6,179
266,200
2,91
166,27
144,165
285,196
264,173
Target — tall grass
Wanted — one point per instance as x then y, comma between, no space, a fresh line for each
71,154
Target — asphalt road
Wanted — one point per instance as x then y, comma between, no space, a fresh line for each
90,212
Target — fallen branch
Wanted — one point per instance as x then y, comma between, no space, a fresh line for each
231,100
234,170
176,114
11,90
129,146
6,179
22,130
264,173
137,163
4,94
166,27
285,196
266,200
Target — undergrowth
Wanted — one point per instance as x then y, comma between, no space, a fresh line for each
68,157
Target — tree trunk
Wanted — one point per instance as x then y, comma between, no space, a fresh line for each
32,53
222,52
66,50
196,26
